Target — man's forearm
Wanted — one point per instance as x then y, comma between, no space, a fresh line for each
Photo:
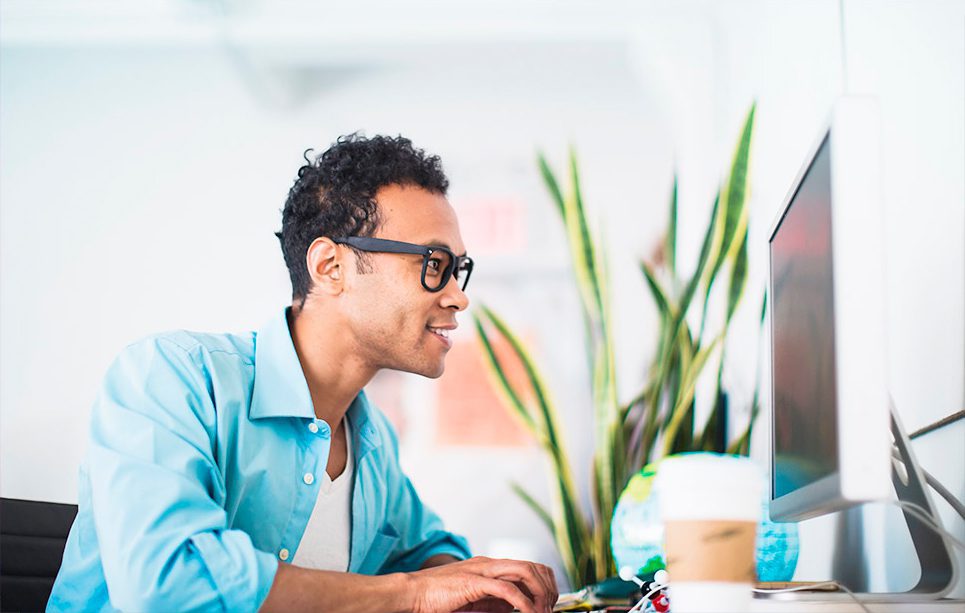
302,589
446,584
296,588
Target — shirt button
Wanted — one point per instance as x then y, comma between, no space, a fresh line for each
313,427
283,555
309,478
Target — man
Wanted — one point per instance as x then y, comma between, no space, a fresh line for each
237,472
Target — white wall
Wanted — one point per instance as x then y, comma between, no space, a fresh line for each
144,159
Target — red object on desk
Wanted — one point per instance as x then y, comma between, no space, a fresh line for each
660,602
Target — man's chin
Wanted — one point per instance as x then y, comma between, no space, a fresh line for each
429,372
434,374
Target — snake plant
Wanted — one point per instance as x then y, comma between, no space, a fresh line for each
659,420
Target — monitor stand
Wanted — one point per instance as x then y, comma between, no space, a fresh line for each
939,570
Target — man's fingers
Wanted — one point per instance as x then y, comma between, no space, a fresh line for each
507,591
526,573
545,573
537,585
489,605
550,578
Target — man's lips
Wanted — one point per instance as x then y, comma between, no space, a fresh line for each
442,333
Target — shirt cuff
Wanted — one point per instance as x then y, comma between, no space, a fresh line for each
452,545
242,574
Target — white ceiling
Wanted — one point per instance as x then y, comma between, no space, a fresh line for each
295,24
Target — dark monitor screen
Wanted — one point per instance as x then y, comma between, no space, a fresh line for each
805,424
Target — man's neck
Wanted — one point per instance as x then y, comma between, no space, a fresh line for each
332,368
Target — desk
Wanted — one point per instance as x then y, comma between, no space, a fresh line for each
833,604
847,605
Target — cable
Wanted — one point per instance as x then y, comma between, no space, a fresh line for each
936,485
659,582
646,598
944,493
941,423
802,588
925,517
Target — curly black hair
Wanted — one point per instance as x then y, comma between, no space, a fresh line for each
334,195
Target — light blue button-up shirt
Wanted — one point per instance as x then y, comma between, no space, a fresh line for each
195,482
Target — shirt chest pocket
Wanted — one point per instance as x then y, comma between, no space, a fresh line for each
383,544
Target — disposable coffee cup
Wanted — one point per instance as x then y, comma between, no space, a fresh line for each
710,506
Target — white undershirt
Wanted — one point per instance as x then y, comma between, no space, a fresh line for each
325,544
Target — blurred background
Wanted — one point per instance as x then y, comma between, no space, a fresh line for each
147,148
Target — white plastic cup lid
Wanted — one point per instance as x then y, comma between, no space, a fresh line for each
709,486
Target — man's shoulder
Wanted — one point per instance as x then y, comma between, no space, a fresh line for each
198,346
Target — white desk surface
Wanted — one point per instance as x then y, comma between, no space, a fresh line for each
839,605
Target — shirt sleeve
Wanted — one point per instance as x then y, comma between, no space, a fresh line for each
421,532
155,490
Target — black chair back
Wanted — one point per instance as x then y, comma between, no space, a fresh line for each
32,539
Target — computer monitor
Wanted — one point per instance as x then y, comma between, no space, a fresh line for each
836,438
830,426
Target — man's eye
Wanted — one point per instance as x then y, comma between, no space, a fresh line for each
434,265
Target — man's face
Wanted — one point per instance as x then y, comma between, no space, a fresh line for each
397,323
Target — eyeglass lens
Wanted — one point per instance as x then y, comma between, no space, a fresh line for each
439,267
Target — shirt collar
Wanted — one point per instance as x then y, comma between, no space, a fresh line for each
280,388
363,430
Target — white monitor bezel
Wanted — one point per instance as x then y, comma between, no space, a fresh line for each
864,435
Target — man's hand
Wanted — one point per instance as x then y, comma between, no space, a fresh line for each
484,584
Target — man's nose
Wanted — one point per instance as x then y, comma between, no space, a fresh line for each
453,297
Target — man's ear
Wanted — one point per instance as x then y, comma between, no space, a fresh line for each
325,266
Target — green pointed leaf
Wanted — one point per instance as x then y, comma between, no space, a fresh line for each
687,352
537,508
702,260
602,284
714,434
568,547
735,193
670,245
684,439
577,533
733,218
738,277
510,394
764,307
574,536
658,292
609,469
710,436
551,183
546,411
678,325
582,247
688,386
742,446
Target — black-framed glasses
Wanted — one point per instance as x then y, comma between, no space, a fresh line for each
439,264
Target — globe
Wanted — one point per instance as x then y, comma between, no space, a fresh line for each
636,533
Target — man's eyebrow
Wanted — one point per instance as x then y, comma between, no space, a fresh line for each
440,243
